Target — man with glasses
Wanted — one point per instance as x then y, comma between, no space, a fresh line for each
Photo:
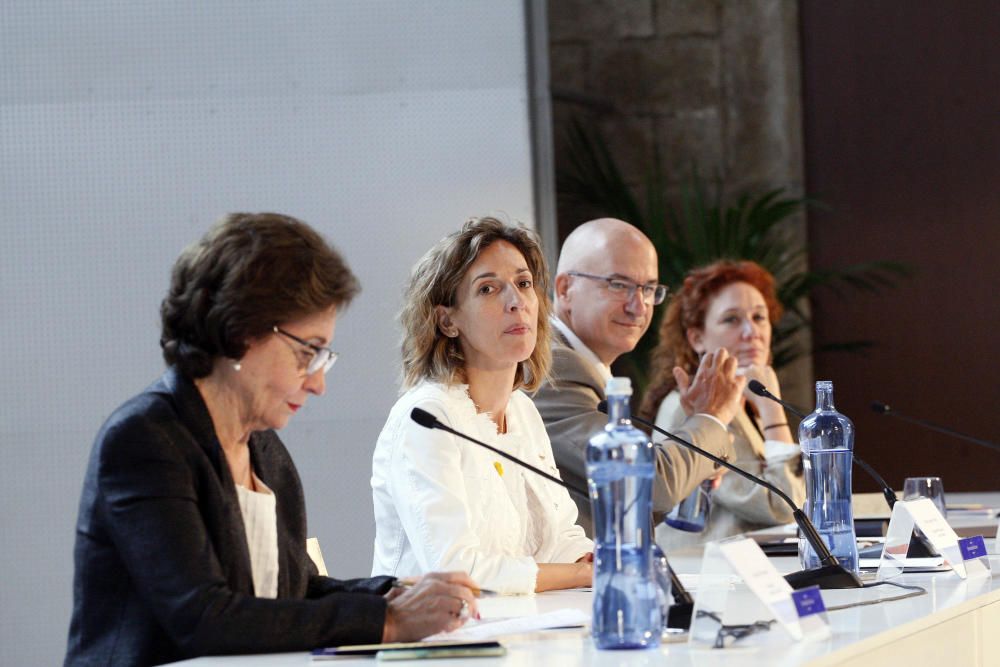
606,287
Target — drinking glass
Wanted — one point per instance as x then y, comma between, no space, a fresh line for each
691,514
926,487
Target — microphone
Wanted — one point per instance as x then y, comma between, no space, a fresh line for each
831,574
883,409
758,388
919,545
679,614
890,496
427,420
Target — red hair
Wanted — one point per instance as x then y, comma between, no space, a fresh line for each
687,310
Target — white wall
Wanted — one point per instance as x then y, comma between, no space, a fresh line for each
128,127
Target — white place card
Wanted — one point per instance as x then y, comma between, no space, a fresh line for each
744,558
919,513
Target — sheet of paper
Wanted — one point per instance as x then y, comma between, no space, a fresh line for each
690,581
935,564
972,510
490,628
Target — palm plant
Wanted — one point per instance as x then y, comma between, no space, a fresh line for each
701,228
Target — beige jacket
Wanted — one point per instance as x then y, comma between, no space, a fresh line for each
568,405
739,505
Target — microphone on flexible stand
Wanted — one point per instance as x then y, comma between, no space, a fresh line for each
427,420
831,574
919,546
890,496
883,409
679,614
757,387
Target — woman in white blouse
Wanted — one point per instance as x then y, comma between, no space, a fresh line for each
730,305
476,328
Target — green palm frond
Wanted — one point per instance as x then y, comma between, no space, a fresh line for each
698,227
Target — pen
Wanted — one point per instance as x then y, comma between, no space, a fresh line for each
476,592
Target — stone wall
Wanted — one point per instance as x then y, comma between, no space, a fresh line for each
711,83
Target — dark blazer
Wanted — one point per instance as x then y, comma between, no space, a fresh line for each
568,402
162,564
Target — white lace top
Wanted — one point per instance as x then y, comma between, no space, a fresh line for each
442,503
260,521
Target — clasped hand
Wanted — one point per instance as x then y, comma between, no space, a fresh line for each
715,390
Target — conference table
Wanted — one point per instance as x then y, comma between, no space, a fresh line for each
957,622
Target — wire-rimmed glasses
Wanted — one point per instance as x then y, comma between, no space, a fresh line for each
735,632
322,359
624,289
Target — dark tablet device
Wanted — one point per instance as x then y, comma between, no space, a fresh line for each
481,650
372,649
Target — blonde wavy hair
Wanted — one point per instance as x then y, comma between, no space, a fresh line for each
430,355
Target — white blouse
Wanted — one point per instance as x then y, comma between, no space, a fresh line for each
442,503
260,521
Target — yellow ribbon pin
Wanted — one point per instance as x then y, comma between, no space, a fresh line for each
499,467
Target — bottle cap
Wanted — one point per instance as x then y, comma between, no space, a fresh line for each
618,387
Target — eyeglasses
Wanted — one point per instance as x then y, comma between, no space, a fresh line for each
623,289
735,632
322,359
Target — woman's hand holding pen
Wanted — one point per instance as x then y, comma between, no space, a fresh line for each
436,602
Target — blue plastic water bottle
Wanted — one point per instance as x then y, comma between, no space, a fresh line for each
827,440
620,470
691,514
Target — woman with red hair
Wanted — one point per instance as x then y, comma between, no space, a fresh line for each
730,304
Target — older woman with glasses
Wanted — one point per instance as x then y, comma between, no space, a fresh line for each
191,537
476,328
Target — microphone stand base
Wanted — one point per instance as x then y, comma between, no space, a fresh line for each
919,548
826,577
679,615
